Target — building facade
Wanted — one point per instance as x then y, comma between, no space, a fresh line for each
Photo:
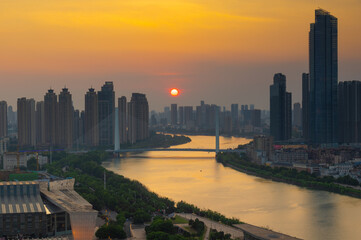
349,112
280,109
91,121
66,115
122,111
138,118
323,79
3,119
106,108
51,118
173,114
26,122
305,105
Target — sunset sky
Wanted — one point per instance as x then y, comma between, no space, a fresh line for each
220,51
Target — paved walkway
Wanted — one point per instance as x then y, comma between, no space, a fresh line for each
235,233
138,232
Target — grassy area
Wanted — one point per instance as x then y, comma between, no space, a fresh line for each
190,229
179,220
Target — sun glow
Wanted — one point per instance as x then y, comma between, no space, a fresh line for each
174,92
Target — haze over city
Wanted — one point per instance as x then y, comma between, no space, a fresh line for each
219,51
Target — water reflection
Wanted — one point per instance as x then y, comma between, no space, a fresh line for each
197,178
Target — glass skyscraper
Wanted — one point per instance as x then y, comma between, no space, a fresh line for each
323,79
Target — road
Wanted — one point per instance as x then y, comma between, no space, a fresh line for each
235,233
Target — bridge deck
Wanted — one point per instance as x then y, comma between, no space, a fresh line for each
177,150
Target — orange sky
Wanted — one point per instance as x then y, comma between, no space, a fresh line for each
204,47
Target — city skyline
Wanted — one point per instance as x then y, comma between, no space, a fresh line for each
222,63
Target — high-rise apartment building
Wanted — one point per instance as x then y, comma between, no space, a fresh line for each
91,119
3,119
106,108
349,112
122,111
174,114
26,122
181,115
138,118
305,105
297,115
281,109
51,118
66,115
323,78
188,117
40,123
235,116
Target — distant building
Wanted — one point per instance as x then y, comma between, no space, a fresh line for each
138,118
10,160
122,106
66,115
281,109
181,115
91,119
235,116
106,108
323,49
51,118
305,105
349,113
40,123
12,118
3,119
26,122
188,117
297,115
174,114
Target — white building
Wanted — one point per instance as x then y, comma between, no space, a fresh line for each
10,161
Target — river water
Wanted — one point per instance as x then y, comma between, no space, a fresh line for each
197,178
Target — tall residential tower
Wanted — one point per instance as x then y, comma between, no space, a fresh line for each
323,79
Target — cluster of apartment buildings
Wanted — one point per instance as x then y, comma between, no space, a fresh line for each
337,162
202,119
54,122
331,110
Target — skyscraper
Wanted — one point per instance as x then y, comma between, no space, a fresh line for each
297,115
51,115
26,122
40,123
173,114
281,109
181,115
106,108
138,118
66,115
323,78
349,113
122,111
305,105
3,119
91,115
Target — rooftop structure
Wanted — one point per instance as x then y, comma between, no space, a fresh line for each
45,209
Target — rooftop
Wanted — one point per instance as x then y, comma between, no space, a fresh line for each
262,233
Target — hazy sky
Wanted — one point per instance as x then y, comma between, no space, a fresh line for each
221,51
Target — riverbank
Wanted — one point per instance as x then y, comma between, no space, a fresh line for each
290,176
129,198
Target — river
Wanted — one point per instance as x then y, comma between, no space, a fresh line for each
198,179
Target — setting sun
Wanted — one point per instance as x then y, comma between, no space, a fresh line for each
174,92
